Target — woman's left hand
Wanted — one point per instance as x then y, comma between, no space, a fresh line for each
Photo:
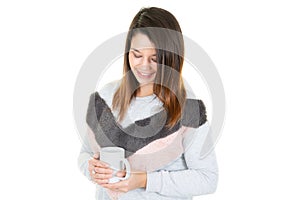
136,180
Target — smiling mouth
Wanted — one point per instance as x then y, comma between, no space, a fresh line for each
145,75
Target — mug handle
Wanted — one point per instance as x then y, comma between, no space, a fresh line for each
127,165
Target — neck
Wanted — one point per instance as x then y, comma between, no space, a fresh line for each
145,90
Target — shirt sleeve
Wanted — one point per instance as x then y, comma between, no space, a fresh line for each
85,155
200,177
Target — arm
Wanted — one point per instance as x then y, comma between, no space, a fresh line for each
83,158
199,178
88,149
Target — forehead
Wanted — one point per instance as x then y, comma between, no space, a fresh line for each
140,41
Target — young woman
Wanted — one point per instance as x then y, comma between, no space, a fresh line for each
150,114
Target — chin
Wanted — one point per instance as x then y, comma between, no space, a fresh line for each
142,82
145,81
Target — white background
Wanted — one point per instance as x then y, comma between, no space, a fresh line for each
255,46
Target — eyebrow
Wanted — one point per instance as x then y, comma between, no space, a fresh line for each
134,49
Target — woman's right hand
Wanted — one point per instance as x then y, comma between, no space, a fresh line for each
99,171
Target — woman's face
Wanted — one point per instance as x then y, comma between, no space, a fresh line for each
142,59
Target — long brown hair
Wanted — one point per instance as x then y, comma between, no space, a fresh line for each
159,26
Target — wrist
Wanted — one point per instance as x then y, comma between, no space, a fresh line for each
143,180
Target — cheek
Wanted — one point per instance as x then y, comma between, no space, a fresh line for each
132,60
154,66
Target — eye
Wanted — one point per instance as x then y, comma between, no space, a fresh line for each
136,56
154,59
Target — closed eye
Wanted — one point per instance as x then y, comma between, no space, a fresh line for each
136,56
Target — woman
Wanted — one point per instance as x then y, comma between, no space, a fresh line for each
170,125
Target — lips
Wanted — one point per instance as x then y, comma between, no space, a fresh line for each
145,75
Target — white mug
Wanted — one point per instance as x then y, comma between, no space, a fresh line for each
115,157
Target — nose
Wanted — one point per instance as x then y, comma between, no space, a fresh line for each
146,63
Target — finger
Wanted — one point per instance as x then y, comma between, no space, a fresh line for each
96,156
102,170
121,174
98,163
101,164
92,162
91,169
104,185
108,186
119,185
101,181
102,176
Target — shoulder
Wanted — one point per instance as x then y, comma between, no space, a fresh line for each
107,91
101,99
190,94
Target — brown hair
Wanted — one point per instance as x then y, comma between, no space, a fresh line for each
168,85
